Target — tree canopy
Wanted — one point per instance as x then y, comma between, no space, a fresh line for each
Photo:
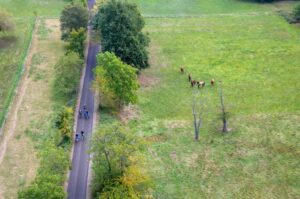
73,17
116,79
121,24
116,163
297,13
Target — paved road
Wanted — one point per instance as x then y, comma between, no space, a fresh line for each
77,186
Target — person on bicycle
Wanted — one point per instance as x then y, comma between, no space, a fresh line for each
76,137
82,134
80,113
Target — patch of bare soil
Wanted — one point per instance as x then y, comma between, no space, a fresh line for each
128,113
157,138
174,156
176,124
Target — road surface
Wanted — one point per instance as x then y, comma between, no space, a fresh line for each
78,180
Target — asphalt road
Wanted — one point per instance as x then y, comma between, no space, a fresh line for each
78,179
77,186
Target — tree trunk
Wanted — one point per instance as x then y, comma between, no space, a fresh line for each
224,130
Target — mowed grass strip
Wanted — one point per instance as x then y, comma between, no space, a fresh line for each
256,59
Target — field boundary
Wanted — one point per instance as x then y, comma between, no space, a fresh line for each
246,14
19,73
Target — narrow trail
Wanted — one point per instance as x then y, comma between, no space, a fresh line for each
12,118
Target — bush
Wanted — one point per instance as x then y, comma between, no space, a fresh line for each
297,13
67,77
73,17
121,24
76,42
64,123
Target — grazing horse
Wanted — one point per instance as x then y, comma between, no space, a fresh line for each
201,84
190,78
193,82
212,82
181,70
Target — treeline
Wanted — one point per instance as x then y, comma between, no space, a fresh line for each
117,159
55,150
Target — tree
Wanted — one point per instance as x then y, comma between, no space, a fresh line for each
297,13
116,163
224,113
197,108
68,70
73,17
76,42
121,24
116,79
64,123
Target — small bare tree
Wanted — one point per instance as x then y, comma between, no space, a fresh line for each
197,109
224,114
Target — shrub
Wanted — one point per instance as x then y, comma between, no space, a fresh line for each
297,13
67,77
76,42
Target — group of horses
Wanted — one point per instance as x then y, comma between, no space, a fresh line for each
200,83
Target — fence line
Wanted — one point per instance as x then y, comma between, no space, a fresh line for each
19,72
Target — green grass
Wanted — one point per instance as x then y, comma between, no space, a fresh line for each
11,63
257,59
12,58
25,8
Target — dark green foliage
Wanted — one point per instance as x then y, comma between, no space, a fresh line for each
73,17
76,42
68,70
297,13
121,24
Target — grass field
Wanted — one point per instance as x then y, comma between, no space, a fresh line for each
11,59
257,59
32,130
201,7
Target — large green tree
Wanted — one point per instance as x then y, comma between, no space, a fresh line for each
116,163
116,79
121,24
73,17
